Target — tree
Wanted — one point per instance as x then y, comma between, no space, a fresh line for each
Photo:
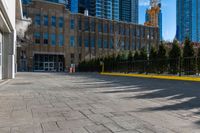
153,54
136,56
136,59
143,54
198,60
130,56
188,50
124,56
188,57
174,57
153,60
162,58
130,61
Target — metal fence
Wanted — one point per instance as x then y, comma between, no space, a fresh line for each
178,66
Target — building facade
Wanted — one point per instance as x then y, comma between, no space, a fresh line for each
59,38
10,10
188,20
128,11
107,9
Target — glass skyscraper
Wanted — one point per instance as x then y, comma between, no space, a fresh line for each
108,9
129,10
188,20
72,5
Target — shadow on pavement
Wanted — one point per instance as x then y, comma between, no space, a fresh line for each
187,94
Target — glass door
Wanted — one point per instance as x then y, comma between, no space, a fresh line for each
51,67
60,67
46,66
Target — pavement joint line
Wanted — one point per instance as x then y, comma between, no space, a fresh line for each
3,82
151,76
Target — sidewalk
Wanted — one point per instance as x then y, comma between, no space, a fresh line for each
167,77
4,81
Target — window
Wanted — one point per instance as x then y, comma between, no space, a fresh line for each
37,37
138,32
79,24
133,44
111,43
53,21
133,32
61,40
86,43
79,57
99,27
46,38
72,24
46,21
105,27
122,30
72,58
127,45
92,26
92,41
37,20
80,41
111,28
122,45
61,22
105,45
127,31
86,25
99,43
72,41
53,39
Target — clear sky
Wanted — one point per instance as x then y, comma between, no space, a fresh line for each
169,17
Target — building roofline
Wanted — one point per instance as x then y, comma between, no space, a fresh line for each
123,22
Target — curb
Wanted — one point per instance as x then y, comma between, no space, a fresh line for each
184,78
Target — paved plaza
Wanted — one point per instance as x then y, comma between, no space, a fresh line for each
92,103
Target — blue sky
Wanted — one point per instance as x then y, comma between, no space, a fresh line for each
169,17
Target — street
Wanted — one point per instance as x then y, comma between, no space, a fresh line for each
92,103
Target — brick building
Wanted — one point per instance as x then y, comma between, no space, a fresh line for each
60,38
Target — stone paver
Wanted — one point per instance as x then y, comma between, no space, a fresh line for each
91,103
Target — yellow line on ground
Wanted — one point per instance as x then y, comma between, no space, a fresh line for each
182,78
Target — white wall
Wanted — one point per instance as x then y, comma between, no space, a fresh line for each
9,7
8,17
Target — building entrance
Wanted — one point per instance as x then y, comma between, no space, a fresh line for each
49,63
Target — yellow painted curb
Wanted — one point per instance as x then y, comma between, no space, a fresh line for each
182,78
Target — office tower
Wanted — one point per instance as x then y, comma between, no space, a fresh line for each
188,20
128,10
72,5
108,9
160,24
